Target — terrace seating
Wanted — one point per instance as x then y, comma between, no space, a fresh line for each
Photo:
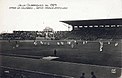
82,34
90,34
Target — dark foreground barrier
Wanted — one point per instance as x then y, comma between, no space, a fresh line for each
7,72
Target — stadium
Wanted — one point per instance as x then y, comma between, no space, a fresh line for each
92,48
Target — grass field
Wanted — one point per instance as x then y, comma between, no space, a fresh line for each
59,68
73,60
87,53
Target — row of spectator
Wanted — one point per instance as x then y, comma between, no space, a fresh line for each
82,34
91,34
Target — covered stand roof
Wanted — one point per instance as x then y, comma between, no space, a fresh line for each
117,21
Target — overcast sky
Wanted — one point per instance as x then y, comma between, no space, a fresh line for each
38,19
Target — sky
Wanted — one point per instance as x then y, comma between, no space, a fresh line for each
38,19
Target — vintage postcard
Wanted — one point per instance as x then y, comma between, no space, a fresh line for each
60,38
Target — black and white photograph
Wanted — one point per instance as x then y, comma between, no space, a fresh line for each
60,38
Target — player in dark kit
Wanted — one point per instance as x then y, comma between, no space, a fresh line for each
83,75
93,76
55,52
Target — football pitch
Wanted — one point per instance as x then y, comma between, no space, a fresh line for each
75,57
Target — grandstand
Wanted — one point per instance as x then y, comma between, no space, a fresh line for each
82,30
91,46
96,29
